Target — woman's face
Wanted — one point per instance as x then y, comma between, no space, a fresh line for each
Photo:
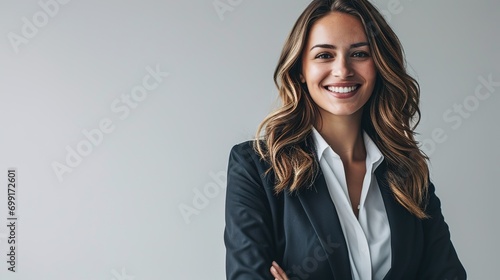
337,65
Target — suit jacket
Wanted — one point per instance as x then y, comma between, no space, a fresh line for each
302,232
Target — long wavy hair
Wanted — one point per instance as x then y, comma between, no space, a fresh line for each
389,117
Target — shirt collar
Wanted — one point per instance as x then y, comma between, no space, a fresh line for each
373,154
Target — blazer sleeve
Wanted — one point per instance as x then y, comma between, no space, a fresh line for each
440,260
248,232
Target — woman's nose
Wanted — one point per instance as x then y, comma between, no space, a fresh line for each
341,68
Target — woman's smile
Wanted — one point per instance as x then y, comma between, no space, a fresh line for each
342,91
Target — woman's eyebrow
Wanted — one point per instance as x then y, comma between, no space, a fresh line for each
329,46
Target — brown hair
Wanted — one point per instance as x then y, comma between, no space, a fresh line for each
389,117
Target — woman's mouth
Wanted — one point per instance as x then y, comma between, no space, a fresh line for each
342,89
343,92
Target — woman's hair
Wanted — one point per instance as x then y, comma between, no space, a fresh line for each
389,117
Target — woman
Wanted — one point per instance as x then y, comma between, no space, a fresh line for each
337,188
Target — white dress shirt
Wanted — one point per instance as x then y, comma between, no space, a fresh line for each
368,238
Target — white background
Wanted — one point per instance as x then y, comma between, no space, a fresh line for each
116,214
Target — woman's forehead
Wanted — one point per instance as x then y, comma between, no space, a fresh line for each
337,28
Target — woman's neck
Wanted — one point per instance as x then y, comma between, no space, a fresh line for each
345,137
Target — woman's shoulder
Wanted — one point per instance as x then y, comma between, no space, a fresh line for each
245,162
244,154
246,147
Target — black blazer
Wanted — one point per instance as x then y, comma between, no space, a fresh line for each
302,232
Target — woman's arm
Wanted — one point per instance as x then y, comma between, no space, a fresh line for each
248,233
440,260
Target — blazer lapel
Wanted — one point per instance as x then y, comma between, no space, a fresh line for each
402,225
321,212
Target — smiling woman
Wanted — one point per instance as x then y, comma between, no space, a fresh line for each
336,186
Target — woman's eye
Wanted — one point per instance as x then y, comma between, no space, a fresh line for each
323,56
361,54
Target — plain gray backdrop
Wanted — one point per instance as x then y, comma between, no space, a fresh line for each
121,166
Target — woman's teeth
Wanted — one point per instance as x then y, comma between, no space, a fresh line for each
342,89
